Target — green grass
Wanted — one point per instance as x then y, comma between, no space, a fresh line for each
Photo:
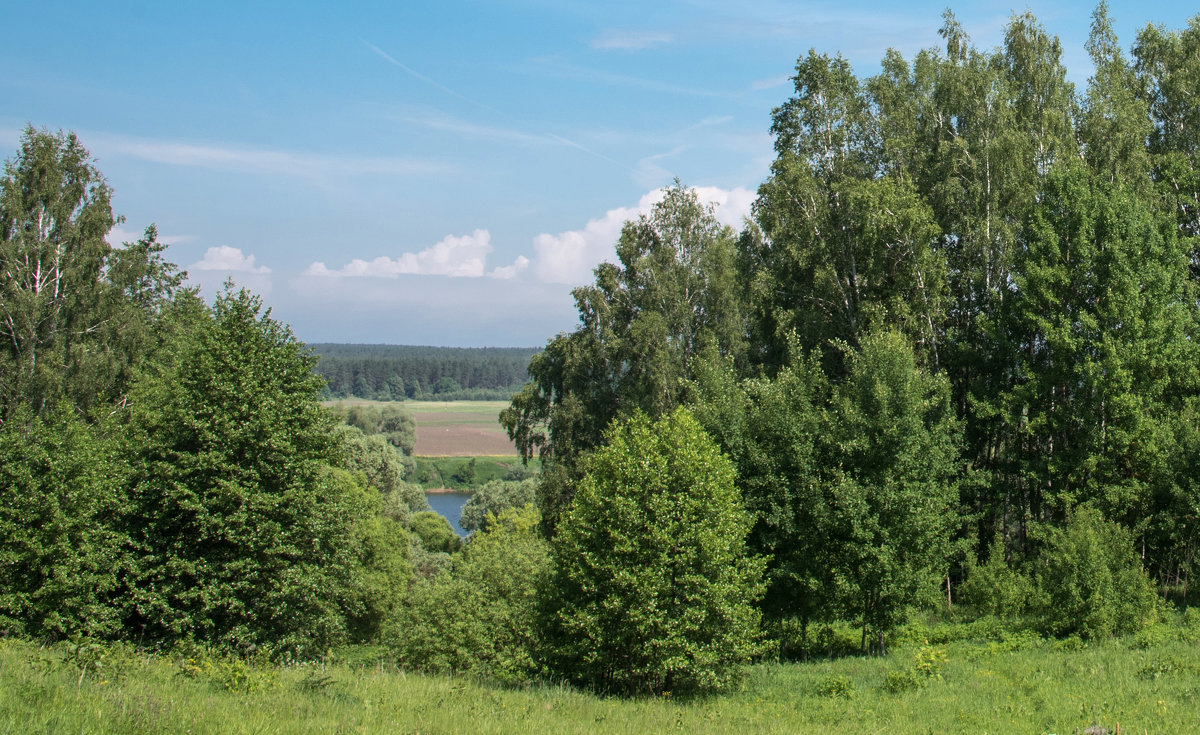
983,688
489,410
438,472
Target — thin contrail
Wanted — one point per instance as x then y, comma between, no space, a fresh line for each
418,75
433,82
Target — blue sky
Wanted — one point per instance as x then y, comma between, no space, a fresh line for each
439,172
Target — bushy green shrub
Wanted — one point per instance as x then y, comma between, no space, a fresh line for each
379,580
924,667
493,498
653,588
385,469
481,616
1091,581
239,522
435,532
833,685
994,588
61,552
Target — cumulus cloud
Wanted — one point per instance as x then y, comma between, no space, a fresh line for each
564,258
511,271
569,257
229,260
732,205
464,256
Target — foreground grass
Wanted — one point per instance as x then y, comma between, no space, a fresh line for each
983,688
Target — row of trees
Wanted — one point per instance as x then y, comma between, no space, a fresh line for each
168,472
394,373
188,486
965,309
961,325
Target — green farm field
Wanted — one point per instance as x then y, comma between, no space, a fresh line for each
1017,686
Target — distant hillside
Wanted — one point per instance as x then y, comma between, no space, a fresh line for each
396,372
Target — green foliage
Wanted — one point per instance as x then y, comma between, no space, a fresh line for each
381,571
75,312
673,293
385,469
836,686
995,588
653,590
890,458
465,474
240,527
770,429
392,421
397,372
434,532
481,616
456,473
1091,579
494,498
62,555
925,667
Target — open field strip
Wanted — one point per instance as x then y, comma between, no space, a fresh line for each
982,689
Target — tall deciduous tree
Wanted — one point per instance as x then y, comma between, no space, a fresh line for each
673,291
73,310
889,461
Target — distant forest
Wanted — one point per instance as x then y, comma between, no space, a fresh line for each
397,372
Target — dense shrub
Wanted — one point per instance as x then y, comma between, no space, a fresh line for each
435,532
385,469
994,588
1091,580
61,553
481,616
240,526
653,589
493,498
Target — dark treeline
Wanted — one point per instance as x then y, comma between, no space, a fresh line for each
395,372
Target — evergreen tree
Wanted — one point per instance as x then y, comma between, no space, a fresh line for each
244,535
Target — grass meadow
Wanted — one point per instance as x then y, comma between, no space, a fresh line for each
1021,685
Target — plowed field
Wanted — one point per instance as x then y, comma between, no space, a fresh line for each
460,429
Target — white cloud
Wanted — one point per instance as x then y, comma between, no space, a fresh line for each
565,258
229,260
569,257
770,83
464,256
732,205
510,271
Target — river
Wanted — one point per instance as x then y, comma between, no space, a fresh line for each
449,506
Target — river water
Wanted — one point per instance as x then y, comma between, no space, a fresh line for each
449,506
